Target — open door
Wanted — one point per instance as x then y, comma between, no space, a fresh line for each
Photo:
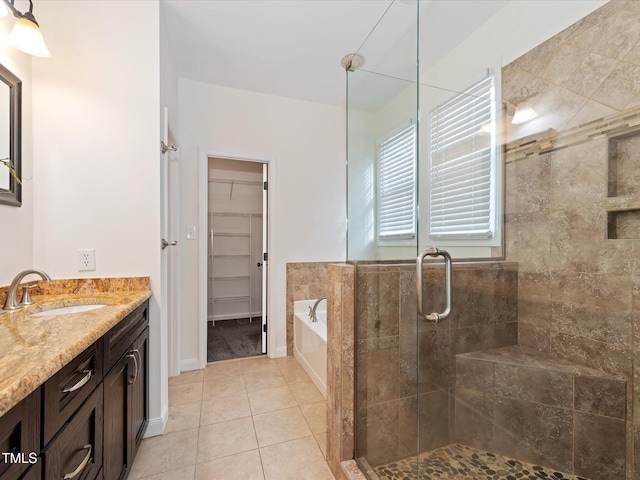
168,243
265,255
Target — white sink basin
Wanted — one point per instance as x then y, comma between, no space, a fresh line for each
67,310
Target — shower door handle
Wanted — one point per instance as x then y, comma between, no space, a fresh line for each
434,252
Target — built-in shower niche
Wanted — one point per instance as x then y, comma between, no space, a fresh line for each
623,224
624,165
623,175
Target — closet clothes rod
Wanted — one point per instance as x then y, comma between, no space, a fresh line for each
238,182
233,214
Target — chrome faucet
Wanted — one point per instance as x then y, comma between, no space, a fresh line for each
11,302
312,310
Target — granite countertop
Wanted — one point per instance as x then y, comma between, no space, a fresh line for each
33,349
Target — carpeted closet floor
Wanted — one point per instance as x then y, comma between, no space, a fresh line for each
236,338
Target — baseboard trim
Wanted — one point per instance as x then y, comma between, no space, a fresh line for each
157,425
280,352
190,364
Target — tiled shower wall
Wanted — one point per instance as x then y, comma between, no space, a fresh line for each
406,365
579,274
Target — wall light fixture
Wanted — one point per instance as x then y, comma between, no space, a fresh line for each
524,111
26,35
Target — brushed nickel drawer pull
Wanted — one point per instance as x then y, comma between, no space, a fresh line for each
73,474
81,383
136,352
135,362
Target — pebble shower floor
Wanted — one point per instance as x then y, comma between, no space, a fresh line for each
459,462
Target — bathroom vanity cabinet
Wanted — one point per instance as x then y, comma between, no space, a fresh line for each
86,422
125,393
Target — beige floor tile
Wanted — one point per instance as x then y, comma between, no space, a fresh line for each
226,438
228,368
305,392
187,393
284,362
258,364
242,466
316,416
166,452
321,439
299,459
294,373
225,408
287,422
223,387
271,399
261,380
183,417
185,473
280,426
193,376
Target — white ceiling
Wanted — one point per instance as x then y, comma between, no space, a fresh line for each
289,48
293,48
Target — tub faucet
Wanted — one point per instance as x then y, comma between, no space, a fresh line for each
312,310
11,302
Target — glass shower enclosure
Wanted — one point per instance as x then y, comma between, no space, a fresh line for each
459,371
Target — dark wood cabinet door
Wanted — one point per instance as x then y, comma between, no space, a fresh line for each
20,437
34,473
77,450
138,409
117,398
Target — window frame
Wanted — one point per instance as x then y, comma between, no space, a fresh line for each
494,235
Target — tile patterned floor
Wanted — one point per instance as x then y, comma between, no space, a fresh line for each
459,462
248,419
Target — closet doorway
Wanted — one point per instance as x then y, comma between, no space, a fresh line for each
236,259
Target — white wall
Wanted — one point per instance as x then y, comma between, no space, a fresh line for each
16,237
96,174
307,141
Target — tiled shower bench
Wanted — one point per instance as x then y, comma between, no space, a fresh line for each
524,404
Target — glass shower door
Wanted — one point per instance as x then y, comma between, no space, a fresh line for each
404,197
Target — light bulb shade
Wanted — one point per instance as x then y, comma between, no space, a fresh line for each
26,37
524,112
3,10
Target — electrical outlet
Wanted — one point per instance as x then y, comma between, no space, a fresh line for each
86,259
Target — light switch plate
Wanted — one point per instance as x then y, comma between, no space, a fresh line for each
191,233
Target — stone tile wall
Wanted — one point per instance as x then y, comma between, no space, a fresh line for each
406,366
579,279
305,281
340,366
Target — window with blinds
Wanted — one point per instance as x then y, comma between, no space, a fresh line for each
463,165
397,186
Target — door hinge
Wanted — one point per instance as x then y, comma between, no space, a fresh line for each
264,328
265,257
265,186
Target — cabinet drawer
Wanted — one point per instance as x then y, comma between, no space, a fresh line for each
77,449
118,340
20,437
68,388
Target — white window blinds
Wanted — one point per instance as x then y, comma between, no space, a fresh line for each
463,165
397,186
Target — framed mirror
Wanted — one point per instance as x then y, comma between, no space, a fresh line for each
10,137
